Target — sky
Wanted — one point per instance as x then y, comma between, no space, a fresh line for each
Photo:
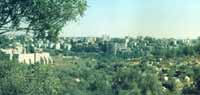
155,18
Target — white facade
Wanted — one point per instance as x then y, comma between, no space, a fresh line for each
43,58
30,58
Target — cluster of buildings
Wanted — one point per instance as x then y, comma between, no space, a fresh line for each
18,54
25,50
21,52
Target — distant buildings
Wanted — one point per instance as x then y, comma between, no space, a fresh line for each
106,37
129,47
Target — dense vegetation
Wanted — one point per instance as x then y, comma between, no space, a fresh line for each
104,76
152,67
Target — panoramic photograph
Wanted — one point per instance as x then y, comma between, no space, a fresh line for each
99,47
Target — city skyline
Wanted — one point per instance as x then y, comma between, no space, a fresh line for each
156,18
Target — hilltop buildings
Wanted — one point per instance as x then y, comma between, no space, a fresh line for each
125,47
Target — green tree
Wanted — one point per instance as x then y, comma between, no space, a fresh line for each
43,18
136,80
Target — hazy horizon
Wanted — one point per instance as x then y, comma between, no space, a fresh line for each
155,18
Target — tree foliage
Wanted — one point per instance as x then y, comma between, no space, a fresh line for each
43,18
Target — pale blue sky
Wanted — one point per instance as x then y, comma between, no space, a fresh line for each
157,18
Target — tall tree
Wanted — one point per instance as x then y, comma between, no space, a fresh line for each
43,18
